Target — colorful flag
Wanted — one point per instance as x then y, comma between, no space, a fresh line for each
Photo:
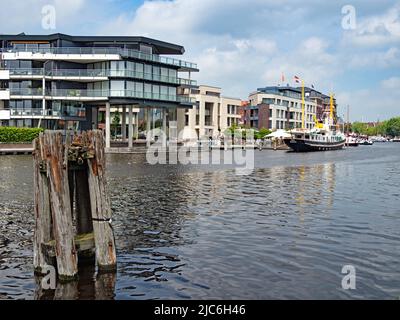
297,79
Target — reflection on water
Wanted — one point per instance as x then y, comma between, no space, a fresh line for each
90,286
185,232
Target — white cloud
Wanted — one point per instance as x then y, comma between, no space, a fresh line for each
377,30
382,102
389,58
392,83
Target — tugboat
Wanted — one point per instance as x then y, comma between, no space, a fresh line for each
322,137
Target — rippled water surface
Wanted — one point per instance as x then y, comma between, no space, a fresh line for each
183,232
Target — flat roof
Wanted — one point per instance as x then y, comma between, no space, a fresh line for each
161,46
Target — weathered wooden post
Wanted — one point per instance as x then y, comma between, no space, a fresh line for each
100,204
43,224
71,176
57,171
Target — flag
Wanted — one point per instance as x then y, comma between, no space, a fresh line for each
283,77
312,86
297,79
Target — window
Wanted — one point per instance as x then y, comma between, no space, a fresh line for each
156,92
130,65
146,49
164,72
147,71
172,91
139,89
172,73
130,85
117,88
147,90
139,67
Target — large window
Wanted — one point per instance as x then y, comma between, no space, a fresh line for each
117,88
156,91
139,67
117,68
146,49
139,89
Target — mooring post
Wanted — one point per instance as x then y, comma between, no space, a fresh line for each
71,175
100,205
43,226
57,171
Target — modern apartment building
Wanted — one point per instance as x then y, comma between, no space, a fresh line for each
58,81
323,103
278,108
211,114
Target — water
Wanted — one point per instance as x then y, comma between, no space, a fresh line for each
197,232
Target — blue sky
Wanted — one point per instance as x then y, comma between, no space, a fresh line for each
242,45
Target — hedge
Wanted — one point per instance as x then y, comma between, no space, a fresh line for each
18,135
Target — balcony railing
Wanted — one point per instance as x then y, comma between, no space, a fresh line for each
129,53
93,73
26,91
80,93
64,113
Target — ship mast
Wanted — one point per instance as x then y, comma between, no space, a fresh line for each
302,105
331,109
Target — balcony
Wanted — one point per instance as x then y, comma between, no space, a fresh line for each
95,74
103,52
67,113
95,95
4,94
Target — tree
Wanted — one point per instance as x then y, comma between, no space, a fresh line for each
359,127
262,133
393,127
115,122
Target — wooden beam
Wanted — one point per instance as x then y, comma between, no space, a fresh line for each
43,224
63,231
83,242
100,204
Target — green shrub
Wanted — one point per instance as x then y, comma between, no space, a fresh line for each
13,134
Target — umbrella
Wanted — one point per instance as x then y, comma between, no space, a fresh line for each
279,134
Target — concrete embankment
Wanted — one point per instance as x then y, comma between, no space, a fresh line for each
15,148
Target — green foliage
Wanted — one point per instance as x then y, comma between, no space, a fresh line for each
262,133
393,127
359,127
13,135
390,127
116,119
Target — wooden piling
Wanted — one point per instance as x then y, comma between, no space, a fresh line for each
100,204
70,184
43,224
57,171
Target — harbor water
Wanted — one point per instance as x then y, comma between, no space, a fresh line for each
203,232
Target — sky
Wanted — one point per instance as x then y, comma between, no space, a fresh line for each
244,45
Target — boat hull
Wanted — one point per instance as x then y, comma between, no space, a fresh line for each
301,145
352,144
